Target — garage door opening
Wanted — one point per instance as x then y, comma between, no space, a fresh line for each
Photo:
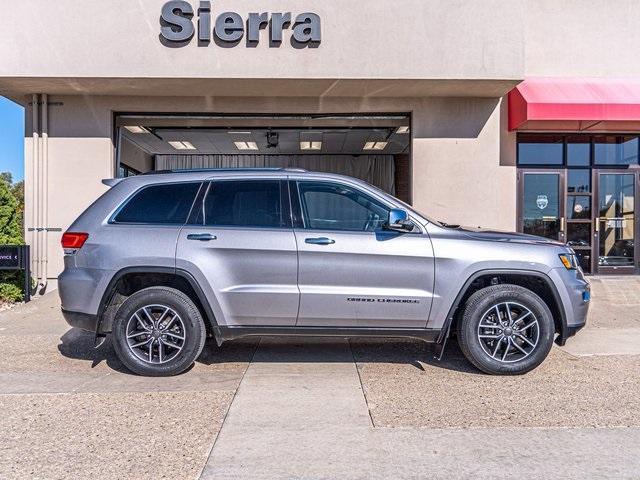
376,149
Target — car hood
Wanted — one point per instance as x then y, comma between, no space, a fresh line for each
491,235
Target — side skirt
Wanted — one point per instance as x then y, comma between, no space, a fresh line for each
224,334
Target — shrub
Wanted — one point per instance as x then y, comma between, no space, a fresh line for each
10,293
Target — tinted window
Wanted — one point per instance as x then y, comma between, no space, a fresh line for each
245,203
329,206
540,149
578,180
541,204
165,204
578,151
616,150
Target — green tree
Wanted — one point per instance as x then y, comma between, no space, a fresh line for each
10,234
18,192
10,229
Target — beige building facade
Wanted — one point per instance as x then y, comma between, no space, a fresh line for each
429,79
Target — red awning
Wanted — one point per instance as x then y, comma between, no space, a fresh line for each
575,104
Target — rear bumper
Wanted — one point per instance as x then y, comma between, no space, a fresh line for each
84,321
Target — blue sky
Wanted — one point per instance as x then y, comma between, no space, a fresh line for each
11,138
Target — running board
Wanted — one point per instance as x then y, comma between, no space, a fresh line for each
224,334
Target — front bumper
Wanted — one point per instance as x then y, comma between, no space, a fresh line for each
84,321
575,295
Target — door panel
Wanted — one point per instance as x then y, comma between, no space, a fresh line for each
253,272
616,225
352,272
365,279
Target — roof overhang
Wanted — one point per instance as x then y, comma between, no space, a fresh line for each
575,104
16,87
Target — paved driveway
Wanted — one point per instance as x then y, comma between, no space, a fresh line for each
314,409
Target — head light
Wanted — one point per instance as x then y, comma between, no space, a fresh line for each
569,260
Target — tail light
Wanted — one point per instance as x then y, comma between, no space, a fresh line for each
74,240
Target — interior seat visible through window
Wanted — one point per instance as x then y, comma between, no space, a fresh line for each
246,203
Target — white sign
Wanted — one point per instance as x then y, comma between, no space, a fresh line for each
542,201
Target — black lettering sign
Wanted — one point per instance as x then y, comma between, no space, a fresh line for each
177,26
10,258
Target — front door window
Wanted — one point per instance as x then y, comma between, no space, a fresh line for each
541,205
616,222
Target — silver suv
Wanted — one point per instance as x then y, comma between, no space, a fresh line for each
163,261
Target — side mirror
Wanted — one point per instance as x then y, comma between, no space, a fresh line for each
399,221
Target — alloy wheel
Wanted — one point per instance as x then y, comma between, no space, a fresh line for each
155,334
508,332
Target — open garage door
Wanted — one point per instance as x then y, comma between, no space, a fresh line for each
375,149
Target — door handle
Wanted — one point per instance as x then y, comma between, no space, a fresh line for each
320,241
203,237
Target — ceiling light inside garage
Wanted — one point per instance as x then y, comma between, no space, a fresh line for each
375,145
135,129
310,145
402,130
246,145
182,145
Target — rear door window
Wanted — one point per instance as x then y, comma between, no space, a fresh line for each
167,204
244,203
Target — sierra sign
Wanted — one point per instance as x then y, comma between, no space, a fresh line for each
177,26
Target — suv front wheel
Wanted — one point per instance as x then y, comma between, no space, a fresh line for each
506,330
158,331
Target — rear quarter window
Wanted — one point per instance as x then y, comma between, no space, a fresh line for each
167,204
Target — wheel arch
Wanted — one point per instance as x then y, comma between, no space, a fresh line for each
538,282
129,280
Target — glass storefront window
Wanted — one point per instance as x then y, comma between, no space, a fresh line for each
541,150
617,223
578,207
541,204
579,234
579,181
615,150
578,151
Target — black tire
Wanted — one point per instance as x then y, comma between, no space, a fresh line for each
481,303
194,331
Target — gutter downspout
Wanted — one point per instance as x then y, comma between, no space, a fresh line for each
45,193
35,189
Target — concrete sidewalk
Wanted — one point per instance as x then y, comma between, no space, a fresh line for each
316,408
300,412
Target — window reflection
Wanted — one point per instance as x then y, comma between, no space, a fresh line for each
579,181
541,212
540,149
578,151
617,225
578,207
616,150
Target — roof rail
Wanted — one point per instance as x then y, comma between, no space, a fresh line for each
205,170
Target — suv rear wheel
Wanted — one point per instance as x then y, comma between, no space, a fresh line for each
158,331
506,330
